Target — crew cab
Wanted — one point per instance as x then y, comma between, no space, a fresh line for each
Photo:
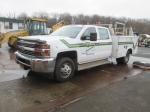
74,47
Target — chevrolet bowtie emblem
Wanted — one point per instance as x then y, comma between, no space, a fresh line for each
22,48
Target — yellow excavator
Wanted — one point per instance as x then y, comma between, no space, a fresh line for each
33,26
58,25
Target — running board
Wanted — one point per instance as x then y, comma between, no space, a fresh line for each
92,64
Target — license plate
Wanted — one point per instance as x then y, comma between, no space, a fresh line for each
21,66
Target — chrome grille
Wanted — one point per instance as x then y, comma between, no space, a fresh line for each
31,53
27,47
23,44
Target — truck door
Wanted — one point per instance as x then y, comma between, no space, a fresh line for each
105,43
89,52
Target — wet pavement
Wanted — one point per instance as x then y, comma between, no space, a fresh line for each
9,70
24,91
143,52
130,95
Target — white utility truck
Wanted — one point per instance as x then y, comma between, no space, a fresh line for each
75,47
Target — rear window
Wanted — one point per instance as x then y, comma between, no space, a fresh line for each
103,33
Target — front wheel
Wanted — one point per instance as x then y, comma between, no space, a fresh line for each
64,69
124,60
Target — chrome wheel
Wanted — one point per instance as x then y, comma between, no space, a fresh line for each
66,70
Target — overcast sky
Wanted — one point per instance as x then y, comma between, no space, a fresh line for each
117,8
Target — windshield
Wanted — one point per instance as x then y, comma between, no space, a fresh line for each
36,28
67,31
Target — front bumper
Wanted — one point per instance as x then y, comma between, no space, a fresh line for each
36,64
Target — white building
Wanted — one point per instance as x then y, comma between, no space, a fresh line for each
7,24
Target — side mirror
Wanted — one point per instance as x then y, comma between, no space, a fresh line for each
93,36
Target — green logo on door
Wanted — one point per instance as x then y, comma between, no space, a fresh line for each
88,44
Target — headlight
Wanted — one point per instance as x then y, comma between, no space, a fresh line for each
42,46
42,50
42,54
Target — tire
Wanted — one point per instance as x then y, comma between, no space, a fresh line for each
124,60
145,45
64,69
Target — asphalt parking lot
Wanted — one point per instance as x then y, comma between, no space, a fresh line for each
130,95
143,52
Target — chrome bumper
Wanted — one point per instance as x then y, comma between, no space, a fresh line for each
35,64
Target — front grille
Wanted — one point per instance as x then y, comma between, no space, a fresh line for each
27,47
23,45
30,53
26,44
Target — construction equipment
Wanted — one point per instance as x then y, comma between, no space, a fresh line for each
118,29
33,26
58,25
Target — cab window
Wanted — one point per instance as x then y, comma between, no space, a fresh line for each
87,32
103,33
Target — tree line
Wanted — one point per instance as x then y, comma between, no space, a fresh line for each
142,26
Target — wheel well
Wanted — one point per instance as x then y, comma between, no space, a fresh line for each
70,54
130,51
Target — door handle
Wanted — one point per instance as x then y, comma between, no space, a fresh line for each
125,47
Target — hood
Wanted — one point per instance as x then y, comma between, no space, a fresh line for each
43,37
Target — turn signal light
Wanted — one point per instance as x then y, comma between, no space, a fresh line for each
46,53
42,50
46,46
40,53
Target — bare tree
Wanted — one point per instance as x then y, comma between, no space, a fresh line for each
22,16
67,17
138,25
11,15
